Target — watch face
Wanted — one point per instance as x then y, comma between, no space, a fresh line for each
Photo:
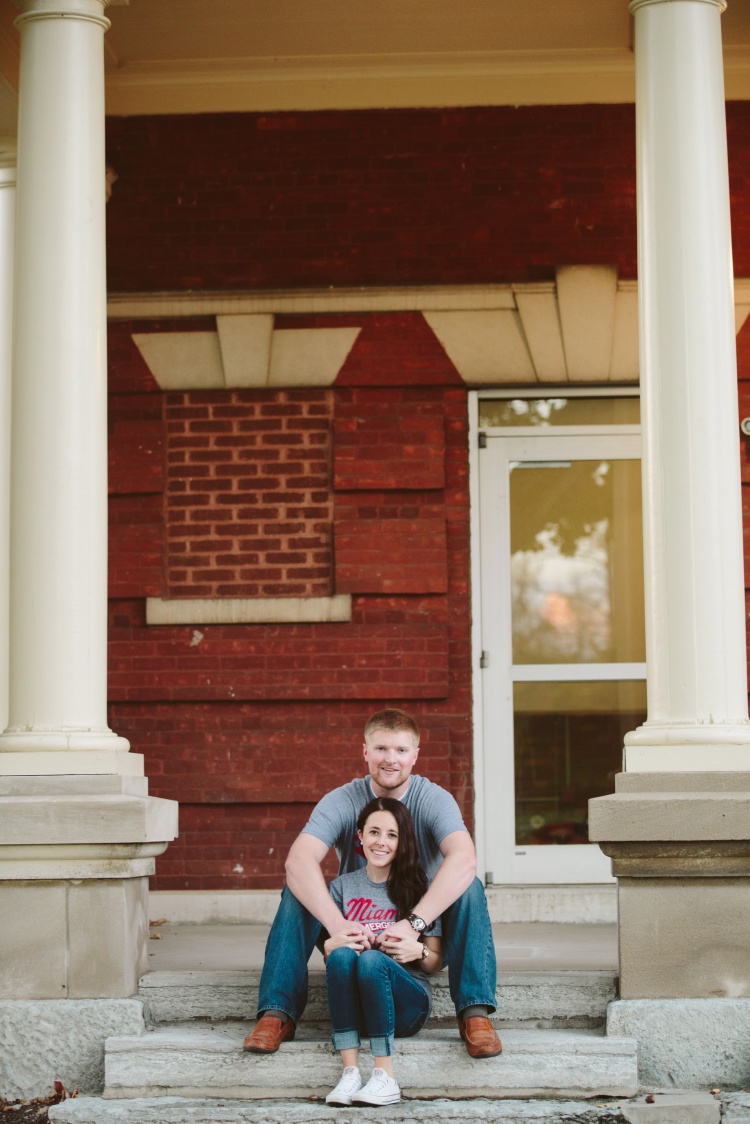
416,923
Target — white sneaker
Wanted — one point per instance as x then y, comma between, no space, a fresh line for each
380,1089
350,1083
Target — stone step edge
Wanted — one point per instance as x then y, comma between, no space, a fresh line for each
565,904
194,1062
185,1110
195,977
575,1000
229,1038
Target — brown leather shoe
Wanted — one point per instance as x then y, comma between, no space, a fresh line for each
480,1037
268,1035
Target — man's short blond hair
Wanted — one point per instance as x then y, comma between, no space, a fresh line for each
393,720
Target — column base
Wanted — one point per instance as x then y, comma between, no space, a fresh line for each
684,937
115,763
690,746
73,938
44,752
75,856
680,851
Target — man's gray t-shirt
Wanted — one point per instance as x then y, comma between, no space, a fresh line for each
360,899
434,811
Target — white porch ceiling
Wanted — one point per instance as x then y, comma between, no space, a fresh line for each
187,56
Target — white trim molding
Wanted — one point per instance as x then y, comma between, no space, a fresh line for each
240,610
580,329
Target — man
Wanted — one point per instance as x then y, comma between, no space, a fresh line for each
391,749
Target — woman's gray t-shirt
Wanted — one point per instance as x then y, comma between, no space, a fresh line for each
434,811
360,899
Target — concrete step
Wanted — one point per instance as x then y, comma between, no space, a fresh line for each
208,1061
530,1000
182,1110
581,905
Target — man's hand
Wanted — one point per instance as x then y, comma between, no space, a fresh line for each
401,949
351,935
401,931
354,927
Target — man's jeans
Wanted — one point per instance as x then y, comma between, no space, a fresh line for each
467,947
370,992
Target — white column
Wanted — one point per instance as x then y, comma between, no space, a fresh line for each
7,235
695,610
58,616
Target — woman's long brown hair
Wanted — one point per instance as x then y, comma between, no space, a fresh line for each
407,882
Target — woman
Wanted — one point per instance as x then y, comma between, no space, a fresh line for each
387,984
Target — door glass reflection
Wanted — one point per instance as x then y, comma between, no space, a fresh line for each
568,748
576,561
542,413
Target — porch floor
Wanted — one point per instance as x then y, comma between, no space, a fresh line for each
521,947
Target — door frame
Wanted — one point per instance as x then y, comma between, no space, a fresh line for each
474,396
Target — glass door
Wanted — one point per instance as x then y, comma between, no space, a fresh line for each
562,637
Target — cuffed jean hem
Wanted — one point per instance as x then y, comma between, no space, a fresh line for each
381,1047
346,1040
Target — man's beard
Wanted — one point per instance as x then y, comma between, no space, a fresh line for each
394,780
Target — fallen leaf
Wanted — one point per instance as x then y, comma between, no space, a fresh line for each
161,921
155,936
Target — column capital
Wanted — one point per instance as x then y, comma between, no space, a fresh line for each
636,4
91,11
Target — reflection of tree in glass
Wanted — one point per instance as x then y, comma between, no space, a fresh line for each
529,411
561,602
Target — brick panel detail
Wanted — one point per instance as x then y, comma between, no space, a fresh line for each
136,457
249,501
136,567
381,442
336,661
391,556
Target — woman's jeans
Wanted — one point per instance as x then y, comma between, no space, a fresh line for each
467,946
369,991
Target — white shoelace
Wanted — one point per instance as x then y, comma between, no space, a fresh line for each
381,1084
350,1082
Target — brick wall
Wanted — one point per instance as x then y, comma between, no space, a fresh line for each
359,489
249,502
245,201
249,725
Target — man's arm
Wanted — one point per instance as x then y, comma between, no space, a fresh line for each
305,880
455,874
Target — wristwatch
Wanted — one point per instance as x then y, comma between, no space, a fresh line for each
417,923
